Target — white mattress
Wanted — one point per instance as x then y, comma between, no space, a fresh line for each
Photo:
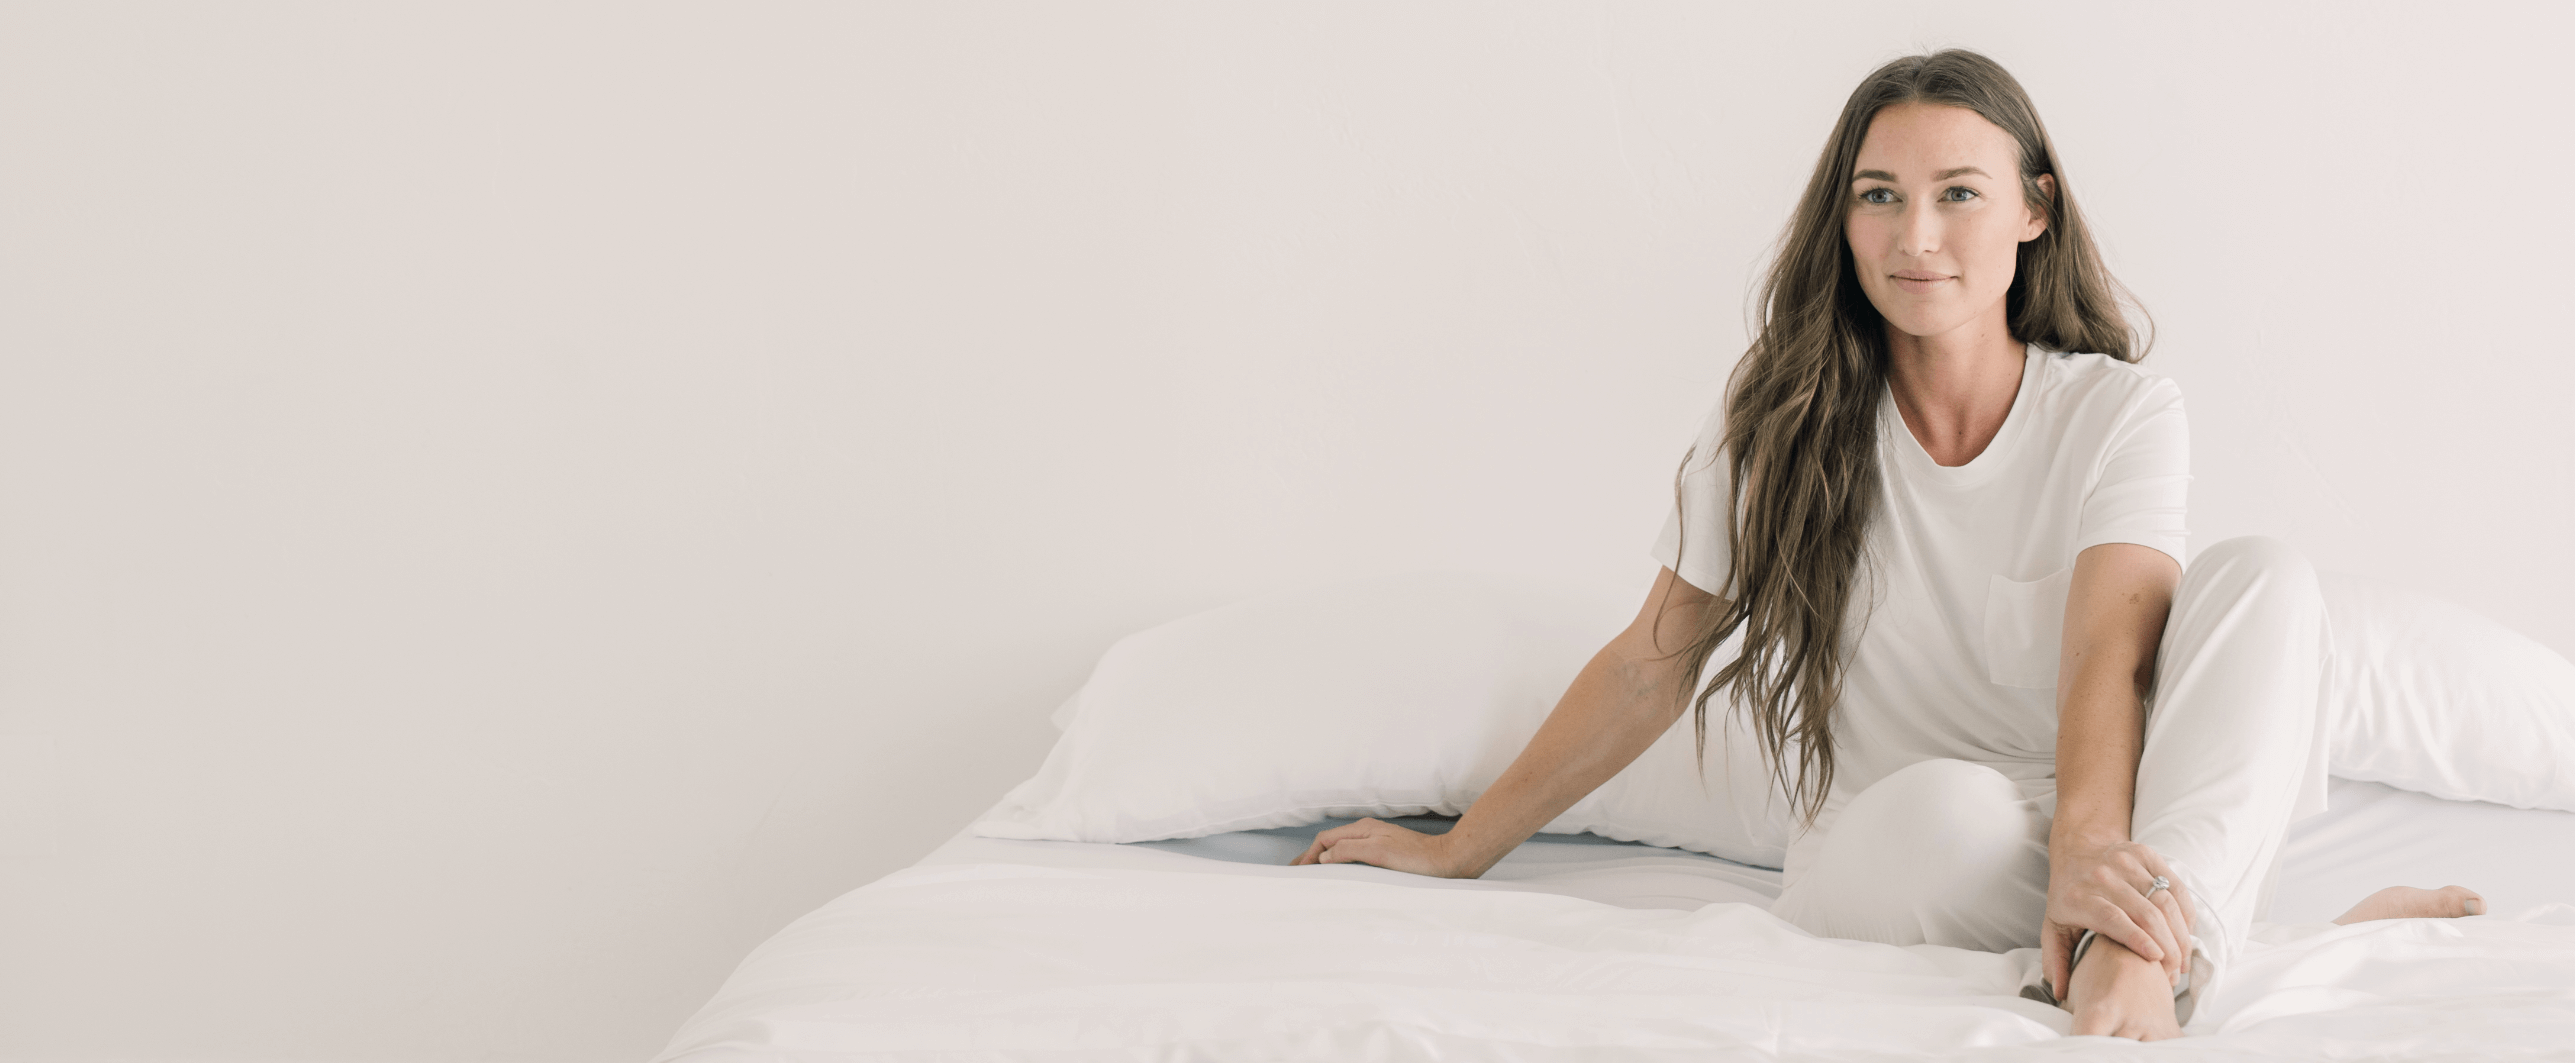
1582,948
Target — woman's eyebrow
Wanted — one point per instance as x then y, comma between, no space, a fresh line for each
1943,175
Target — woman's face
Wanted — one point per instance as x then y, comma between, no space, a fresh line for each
1937,217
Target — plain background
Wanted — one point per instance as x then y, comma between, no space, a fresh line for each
503,506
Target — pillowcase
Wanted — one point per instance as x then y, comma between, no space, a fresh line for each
2431,697
1404,695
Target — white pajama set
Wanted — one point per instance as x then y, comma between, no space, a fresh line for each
1936,827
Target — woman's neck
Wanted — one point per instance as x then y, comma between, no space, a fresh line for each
1955,389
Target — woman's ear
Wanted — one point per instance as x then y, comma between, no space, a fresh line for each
2038,214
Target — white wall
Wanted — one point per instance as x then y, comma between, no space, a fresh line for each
503,506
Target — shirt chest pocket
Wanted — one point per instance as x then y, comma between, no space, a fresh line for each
2025,629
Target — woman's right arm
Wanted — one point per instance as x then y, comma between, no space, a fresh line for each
1623,700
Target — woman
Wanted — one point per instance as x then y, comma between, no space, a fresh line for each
1943,509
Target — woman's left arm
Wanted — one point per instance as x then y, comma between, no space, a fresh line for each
2098,878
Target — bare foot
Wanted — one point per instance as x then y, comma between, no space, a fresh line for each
2406,902
2117,992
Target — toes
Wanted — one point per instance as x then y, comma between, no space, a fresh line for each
2407,902
2459,900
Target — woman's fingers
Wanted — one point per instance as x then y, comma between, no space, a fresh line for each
2160,925
2180,922
1395,850
1324,840
2151,916
2128,926
1360,842
2110,890
2055,945
2175,902
2156,865
1391,846
2163,914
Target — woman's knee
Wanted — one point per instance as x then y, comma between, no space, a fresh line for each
2252,570
1943,851
1942,780
2259,557
1940,817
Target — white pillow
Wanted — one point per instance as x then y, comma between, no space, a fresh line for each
2431,697
1397,696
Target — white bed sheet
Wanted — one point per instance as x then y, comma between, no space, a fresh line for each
2372,835
1582,948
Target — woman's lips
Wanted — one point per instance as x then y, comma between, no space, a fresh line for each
1917,283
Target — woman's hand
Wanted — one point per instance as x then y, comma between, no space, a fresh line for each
1382,844
1628,696
2103,887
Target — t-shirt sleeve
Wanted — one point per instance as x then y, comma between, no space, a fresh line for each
1704,558
2144,488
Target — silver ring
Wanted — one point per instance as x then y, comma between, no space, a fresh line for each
2160,883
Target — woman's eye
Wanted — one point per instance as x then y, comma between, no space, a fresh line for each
1878,195
1959,195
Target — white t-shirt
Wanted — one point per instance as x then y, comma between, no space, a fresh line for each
1958,656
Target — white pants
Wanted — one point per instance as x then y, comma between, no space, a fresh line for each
1947,852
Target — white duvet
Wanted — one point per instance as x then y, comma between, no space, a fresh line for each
968,961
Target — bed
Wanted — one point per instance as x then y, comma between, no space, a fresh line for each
1579,946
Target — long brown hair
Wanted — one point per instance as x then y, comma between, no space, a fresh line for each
1801,425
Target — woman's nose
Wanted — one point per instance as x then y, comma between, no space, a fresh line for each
1919,233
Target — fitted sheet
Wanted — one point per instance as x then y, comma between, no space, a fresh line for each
1583,948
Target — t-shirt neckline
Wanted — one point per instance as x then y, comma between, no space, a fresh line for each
1986,462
